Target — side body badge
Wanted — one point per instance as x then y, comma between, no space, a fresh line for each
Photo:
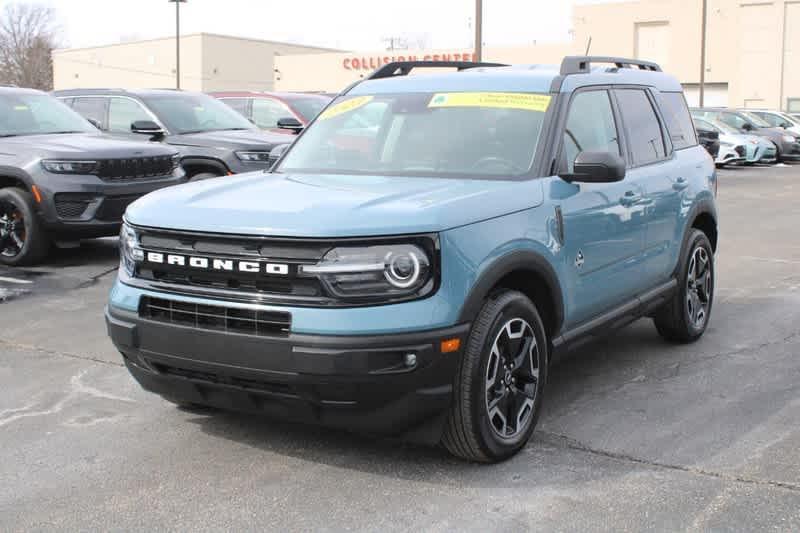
579,260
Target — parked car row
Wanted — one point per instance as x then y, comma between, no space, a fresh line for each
72,162
748,136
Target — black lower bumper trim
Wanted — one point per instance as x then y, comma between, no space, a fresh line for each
361,383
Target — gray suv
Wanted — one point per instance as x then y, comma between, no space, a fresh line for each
62,180
213,139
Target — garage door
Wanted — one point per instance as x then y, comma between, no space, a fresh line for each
652,42
716,94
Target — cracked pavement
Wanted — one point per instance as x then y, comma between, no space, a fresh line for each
635,434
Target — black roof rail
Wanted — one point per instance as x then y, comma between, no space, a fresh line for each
402,68
583,64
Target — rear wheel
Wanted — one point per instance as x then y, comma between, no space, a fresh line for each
23,241
685,317
498,390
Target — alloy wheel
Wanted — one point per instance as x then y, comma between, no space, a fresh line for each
699,283
512,377
12,229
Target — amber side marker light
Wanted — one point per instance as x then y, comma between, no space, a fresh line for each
36,194
450,345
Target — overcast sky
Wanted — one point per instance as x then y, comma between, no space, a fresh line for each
347,24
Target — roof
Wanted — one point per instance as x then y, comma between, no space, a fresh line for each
5,89
121,92
187,35
517,78
265,94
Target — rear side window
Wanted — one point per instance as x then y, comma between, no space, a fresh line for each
642,126
679,122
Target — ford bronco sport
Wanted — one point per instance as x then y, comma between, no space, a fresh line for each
418,257
61,180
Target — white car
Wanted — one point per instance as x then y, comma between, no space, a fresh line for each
735,147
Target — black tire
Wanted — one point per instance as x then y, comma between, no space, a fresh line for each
17,208
678,320
470,432
203,176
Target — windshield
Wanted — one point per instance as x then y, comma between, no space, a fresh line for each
755,119
38,114
195,113
308,108
461,134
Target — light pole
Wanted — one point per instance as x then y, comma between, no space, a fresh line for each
478,29
703,56
177,41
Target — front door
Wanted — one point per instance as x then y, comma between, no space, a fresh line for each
604,227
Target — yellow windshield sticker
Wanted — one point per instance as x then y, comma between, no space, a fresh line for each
345,107
20,108
528,102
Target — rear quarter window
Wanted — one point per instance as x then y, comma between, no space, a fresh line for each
678,120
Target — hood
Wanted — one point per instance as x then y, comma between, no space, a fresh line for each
233,139
302,205
83,146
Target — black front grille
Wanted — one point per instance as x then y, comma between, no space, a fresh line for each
135,168
113,207
216,318
282,389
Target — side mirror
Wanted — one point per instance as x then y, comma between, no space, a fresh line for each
146,127
747,126
290,123
95,123
596,167
785,125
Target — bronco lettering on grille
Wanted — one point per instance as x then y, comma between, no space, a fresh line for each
220,265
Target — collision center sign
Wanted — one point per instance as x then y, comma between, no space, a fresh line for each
373,62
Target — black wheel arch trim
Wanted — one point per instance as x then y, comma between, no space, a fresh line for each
702,207
208,162
504,265
16,175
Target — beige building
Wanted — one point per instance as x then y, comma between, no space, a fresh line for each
752,46
209,62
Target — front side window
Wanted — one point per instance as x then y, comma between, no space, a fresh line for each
267,112
459,134
195,113
36,114
308,108
755,120
642,126
679,122
123,112
590,127
239,105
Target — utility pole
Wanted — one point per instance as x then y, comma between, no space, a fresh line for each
703,55
478,30
177,41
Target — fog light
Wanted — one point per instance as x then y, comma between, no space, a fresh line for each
411,359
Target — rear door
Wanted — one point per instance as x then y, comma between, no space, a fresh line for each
603,224
662,174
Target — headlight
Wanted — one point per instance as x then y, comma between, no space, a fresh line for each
69,167
372,272
253,156
129,250
788,139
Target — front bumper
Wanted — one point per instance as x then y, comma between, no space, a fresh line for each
359,383
75,206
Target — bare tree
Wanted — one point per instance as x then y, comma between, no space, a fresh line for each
27,38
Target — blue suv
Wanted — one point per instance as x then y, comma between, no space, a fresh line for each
417,259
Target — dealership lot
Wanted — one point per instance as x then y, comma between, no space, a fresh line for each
635,433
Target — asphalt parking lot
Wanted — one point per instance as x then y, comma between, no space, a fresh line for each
635,433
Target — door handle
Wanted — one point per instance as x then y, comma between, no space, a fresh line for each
630,198
680,184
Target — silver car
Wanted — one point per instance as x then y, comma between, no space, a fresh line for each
735,147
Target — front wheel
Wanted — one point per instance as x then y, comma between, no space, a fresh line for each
23,241
498,388
685,317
